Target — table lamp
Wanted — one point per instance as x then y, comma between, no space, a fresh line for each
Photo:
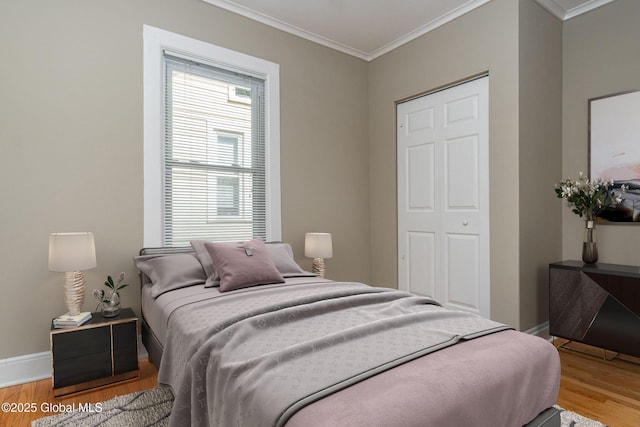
71,253
318,246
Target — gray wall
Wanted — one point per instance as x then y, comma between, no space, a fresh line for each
601,57
71,144
540,158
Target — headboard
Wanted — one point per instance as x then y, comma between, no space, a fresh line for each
166,250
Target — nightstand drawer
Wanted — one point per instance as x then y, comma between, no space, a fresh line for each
125,361
125,347
125,336
82,369
81,343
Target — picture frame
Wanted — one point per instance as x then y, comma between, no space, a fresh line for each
614,151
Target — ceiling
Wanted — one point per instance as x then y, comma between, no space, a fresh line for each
369,28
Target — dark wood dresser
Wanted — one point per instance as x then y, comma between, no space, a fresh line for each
596,304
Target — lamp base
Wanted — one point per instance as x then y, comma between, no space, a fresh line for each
74,285
318,267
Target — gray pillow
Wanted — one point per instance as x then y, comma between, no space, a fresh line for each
242,266
169,272
281,254
212,278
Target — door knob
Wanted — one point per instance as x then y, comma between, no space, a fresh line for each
465,223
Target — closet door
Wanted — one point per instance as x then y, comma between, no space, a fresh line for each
443,196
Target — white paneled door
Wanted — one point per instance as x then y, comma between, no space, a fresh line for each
443,196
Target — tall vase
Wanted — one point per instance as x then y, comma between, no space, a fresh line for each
589,245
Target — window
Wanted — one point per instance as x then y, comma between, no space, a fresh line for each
227,200
211,143
214,156
240,94
225,191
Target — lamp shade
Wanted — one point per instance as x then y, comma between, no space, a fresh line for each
72,251
318,245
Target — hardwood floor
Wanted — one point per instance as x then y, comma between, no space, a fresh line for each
607,391
40,392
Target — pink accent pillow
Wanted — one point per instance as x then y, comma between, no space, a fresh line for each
244,265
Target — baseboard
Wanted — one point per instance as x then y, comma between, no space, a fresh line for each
24,369
541,331
36,366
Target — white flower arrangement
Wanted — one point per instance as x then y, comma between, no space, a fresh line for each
588,198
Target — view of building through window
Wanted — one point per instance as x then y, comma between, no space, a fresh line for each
214,155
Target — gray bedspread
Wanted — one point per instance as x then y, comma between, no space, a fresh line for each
256,356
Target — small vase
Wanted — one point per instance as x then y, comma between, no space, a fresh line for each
589,245
111,305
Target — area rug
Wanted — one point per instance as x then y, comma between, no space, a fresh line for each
143,408
152,408
571,419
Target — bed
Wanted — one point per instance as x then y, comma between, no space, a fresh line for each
306,351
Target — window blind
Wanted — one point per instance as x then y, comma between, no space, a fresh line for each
214,154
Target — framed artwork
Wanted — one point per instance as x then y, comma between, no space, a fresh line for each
614,150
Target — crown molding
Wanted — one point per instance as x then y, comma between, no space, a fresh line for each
281,25
450,16
367,56
550,5
555,9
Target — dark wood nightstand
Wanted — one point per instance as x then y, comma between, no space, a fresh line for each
100,352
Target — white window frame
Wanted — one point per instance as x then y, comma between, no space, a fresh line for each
156,41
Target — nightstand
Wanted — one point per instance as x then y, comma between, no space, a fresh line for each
100,352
